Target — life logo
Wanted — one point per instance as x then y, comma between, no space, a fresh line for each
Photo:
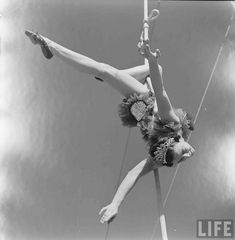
215,228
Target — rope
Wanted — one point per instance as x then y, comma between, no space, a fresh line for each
199,109
195,119
120,173
123,158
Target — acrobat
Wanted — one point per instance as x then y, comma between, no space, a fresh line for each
165,129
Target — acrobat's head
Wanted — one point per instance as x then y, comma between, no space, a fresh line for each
171,151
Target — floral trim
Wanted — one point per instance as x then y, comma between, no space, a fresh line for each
136,108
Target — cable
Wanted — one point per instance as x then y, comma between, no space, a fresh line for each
195,119
120,173
199,108
123,158
202,100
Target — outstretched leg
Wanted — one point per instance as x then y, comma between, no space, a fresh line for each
118,79
139,72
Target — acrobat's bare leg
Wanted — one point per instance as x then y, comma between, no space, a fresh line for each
139,72
119,80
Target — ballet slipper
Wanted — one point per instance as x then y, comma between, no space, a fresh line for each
38,39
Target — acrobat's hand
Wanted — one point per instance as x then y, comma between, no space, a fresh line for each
144,49
109,213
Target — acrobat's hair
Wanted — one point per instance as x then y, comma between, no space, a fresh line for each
170,152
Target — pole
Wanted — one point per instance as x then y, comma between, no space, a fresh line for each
160,205
146,38
146,25
156,172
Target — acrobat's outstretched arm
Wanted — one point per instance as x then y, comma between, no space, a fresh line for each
165,108
110,211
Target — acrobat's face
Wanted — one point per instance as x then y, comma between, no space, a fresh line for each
182,150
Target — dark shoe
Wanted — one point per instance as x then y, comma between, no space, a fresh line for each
37,39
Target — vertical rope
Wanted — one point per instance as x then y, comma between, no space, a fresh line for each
146,26
123,158
120,174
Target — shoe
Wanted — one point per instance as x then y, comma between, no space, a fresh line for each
37,39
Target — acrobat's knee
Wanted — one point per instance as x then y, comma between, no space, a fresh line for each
106,71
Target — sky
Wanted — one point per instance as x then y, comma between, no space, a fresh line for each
62,142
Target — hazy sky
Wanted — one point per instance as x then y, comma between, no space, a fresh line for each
61,139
